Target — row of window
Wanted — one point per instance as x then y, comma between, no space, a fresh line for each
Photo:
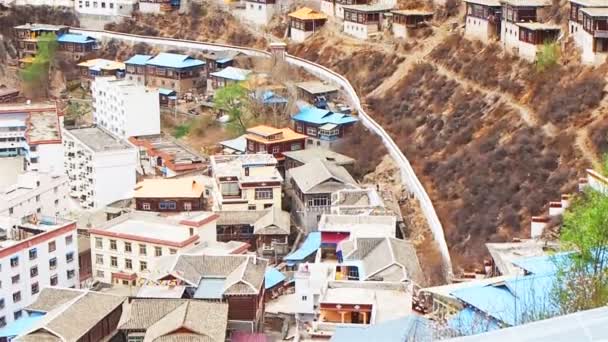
128,247
35,287
11,210
51,247
143,265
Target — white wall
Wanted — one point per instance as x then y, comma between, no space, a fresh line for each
105,7
114,176
50,158
584,40
399,31
509,36
44,272
360,31
258,13
477,28
51,3
149,7
50,196
327,7
298,35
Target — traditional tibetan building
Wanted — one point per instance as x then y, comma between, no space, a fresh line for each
227,76
170,194
274,141
336,8
166,70
322,127
259,12
99,67
483,19
75,46
28,34
304,22
365,21
517,15
406,20
589,28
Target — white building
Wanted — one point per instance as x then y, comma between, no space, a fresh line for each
588,26
35,193
38,252
50,3
245,182
105,7
32,131
365,21
125,108
124,248
101,167
311,285
482,20
259,12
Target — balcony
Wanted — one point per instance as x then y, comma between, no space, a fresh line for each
600,33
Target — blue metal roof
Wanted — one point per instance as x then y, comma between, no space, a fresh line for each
167,92
508,301
138,59
272,277
319,116
269,97
470,322
543,265
408,328
210,288
21,325
75,38
172,60
310,245
232,73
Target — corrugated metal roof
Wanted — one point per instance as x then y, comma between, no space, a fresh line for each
272,277
210,288
172,60
319,116
542,265
232,73
410,328
75,38
138,59
310,245
21,325
470,322
238,144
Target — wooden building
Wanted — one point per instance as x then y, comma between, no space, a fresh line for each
8,95
365,21
274,141
335,8
92,68
532,36
322,127
406,20
177,72
75,46
170,195
227,76
218,60
513,14
483,19
304,22
28,34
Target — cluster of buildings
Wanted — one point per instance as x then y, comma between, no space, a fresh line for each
523,27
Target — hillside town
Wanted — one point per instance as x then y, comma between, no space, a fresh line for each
273,170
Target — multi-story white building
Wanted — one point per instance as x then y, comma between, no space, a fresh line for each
101,167
124,248
482,20
125,108
35,193
245,182
588,26
365,21
50,3
105,7
260,12
39,251
32,131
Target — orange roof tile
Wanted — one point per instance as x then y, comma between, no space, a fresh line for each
261,132
306,13
169,188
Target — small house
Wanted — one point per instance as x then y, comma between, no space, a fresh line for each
532,36
301,157
99,67
28,34
75,46
482,20
174,71
335,8
237,145
589,27
311,91
170,195
271,233
322,127
259,12
365,21
513,14
275,141
227,76
218,60
167,97
406,20
304,22
136,68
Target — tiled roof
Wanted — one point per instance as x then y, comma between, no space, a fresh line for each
306,155
274,222
161,318
306,13
258,133
189,187
319,116
239,217
320,176
172,60
50,298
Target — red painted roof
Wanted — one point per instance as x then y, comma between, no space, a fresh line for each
333,237
240,336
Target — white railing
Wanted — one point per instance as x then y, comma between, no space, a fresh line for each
407,172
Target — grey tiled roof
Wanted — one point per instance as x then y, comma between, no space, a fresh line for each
51,298
307,155
159,318
274,222
238,217
319,176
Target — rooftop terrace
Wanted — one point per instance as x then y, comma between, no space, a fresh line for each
42,121
98,139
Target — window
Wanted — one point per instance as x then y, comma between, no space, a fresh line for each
69,239
143,265
2,303
17,314
52,246
251,207
98,243
296,146
304,298
111,5
53,263
114,261
146,206
172,251
143,250
187,206
128,264
113,245
263,194
15,279
312,131
99,259
54,280
71,274
17,297
318,201
170,205
128,247
15,261
69,257
230,189
158,251
2,321
276,149
99,274
135,338
103,5
35,288
33,254
191,231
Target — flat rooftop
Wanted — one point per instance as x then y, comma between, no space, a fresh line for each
40,27
412,12
179,154
233,166
389,304
98,139
11,168
596,12
317,87
42,121
143,227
